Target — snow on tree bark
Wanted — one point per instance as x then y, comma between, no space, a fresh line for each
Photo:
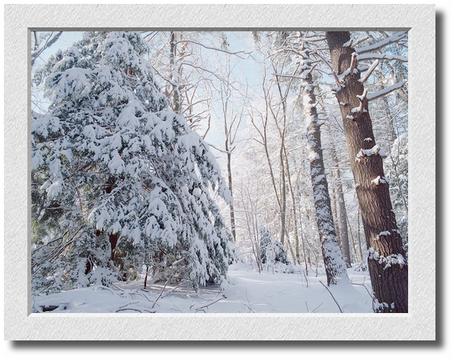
389,277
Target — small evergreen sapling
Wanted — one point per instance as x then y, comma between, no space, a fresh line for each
272,251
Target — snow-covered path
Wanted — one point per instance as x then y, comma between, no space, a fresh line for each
246,290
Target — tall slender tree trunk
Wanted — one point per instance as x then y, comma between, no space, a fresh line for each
333,202
176,99
294,209
391,133
334,265
283,195
387,260
339,199
359,240
231,189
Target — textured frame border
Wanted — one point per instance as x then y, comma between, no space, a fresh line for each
418,324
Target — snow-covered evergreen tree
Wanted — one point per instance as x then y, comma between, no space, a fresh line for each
272,251
132,183
396,166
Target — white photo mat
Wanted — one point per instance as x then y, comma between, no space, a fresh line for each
418,324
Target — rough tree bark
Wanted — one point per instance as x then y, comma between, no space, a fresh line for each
386,261
334,265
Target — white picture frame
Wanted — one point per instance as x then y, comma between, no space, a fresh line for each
418,324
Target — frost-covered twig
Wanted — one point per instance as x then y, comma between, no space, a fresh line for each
377,94
380,44
51,39
371,56
236,53
369,71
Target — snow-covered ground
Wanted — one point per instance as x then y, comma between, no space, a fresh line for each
245,290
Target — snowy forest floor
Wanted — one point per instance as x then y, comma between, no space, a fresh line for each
246,290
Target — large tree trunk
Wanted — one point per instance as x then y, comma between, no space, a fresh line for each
334,265
386,260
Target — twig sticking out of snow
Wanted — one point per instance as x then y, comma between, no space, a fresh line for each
201,308
333,297
137,310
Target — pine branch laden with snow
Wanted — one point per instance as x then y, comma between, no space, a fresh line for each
130,174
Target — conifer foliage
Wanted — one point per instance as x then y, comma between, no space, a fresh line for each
272,251
119,181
